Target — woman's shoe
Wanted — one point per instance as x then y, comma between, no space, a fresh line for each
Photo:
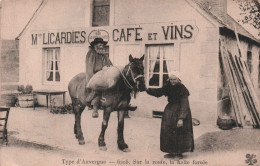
170,155
179,156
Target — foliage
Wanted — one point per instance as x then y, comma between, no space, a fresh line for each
66,109
250,10
25,90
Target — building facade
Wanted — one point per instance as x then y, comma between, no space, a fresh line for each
176,35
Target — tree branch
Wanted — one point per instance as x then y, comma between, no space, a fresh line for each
257,4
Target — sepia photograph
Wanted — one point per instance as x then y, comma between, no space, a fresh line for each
129,82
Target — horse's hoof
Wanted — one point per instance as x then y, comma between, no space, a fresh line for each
126,150
81,142
103,148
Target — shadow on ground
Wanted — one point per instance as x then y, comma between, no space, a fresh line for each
229,140
18,143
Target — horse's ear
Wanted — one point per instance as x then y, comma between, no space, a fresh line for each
130,58
142,58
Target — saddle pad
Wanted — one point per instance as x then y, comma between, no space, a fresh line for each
105,78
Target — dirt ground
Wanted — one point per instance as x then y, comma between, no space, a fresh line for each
40,138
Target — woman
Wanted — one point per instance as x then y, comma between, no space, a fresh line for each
176,127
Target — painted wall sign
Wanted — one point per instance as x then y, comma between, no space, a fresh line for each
56,38
149,33
125,33
98,34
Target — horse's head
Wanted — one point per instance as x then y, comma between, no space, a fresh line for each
135,73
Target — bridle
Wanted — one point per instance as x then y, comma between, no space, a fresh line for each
132,75
129,71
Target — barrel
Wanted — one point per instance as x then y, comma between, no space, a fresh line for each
25,100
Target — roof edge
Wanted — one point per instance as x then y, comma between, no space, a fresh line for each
37,11
231,32
211,18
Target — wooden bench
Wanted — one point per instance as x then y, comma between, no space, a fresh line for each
4,114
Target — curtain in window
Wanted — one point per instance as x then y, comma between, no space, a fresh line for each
154,62
154,54
57,65
49,73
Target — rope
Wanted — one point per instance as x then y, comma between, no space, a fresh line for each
125,79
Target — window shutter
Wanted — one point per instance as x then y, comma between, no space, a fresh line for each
101,10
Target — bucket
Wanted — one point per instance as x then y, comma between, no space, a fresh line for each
25,100
225,123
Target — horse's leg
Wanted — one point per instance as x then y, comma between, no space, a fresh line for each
101,139
120,132
77,126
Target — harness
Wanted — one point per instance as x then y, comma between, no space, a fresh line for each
129,70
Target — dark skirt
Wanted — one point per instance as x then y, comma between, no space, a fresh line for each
173,139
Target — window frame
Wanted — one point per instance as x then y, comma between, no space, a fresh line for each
45,67
175,59
100,4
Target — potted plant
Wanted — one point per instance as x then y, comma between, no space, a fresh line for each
25,98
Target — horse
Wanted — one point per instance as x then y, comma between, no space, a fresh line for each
116,98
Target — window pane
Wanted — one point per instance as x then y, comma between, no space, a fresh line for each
154,52
167,51
165,78
49,76
154,66
57,76
49,65
57,55
49,55
165,67
101,2
154,79
57,65
100,13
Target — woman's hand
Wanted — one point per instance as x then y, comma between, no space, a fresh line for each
180,123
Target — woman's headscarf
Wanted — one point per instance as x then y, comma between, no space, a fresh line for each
175,74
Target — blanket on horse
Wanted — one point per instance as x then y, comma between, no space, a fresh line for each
105,78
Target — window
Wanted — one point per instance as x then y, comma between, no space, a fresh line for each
249,61
161,61
51,65
101,9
